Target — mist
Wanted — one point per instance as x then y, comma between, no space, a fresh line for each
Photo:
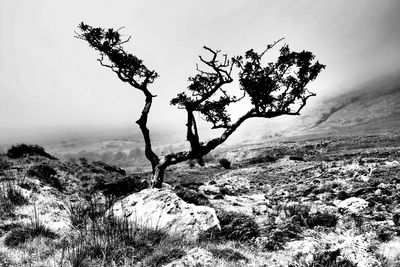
51,83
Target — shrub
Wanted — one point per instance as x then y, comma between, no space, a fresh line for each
297,213
46,174
23,150
4,164
385,233
192,196
116,185
99,166
263,159
191,163
234,226
275,241
226,164
325,219
396,219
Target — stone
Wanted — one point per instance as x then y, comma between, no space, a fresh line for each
353,205
391,251
396,209
163,209
210,189
193,258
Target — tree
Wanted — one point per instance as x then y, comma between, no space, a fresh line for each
274,89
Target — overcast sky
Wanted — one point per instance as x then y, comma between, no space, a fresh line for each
48,78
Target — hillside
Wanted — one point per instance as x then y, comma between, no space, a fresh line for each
306,203
370,110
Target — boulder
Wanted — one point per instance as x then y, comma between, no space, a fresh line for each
353,205
163,209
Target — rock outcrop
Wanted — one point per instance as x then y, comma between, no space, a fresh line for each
163,209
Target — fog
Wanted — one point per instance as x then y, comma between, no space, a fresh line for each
50,82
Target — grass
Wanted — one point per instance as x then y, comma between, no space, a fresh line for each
235,226
47,174
10,198
24,233
110,241
325,259
228,254
98,240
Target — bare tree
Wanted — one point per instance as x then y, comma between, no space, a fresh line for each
275,89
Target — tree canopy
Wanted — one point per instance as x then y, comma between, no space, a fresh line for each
274,89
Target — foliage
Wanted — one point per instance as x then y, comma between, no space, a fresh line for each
226,164
117,185
325,219
278,235
45,173
99,166
24,150
278,85
192,196
235,226
4,163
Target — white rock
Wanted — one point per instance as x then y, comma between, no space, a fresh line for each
390,250
396,209
383,186
209,189
163,209
353,205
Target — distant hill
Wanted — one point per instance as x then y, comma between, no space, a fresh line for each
371,109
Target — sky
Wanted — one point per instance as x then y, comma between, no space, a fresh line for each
50,80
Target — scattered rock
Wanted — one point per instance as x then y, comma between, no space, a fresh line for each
162,208
352,205
209,189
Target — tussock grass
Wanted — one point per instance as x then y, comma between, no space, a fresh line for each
10,198
24,233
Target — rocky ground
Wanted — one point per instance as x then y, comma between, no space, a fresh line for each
307,202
